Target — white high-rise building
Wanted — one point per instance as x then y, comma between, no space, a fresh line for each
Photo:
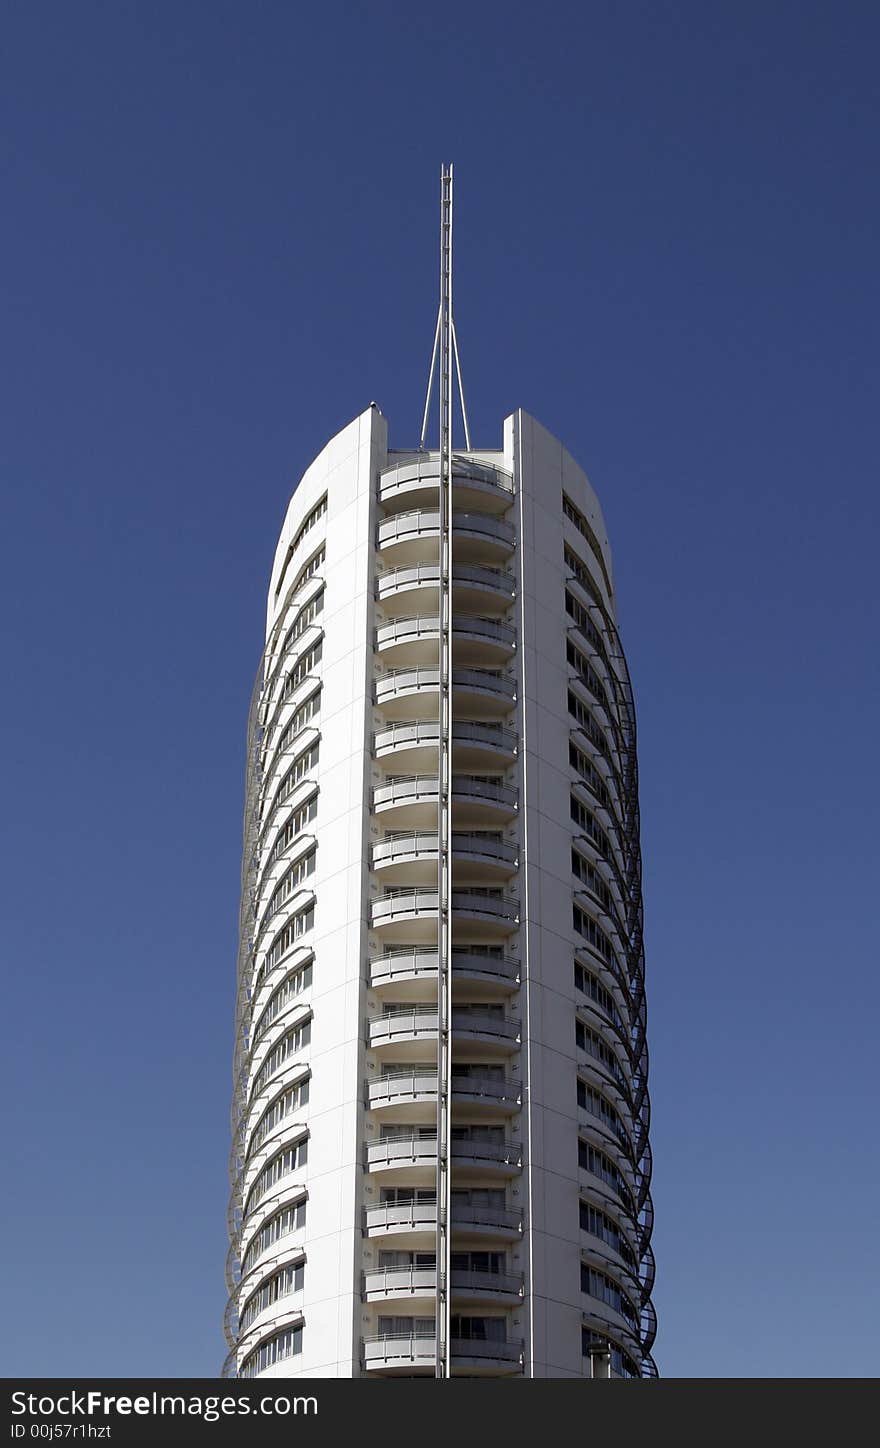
440,1160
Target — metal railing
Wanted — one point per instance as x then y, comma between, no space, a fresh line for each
425,731
422,575
427,469
405,844
398,681
399,630
425,520
409,960
415,786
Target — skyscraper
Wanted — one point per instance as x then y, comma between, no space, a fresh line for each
440,1160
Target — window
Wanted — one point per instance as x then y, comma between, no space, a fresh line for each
291,1042
302,922
295,825
591,1100
407,1196
478,1262
283,1345
478,1329
467,1071
288,1160
305,527
302,669
297,772
598,1165
309,521
306,711
579,569
407,1133
581,713
290,880
493,1134
282,1284
587,983
587,1040
292,986
407,1259
598,1224
283,1106
586,820
576,611
591,932
406,1327
575,516
306,615
479,1197
309,568
585,672
589,876
588,772
597,1284
288,1220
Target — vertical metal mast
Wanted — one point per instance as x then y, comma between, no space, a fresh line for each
445,344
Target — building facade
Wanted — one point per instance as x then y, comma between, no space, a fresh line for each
333,1267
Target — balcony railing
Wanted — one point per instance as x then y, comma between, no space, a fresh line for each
427,575
407,844
418,1350
400,681
401,630
425,732
406,787
408,961
422,1150
420,521
411,1281
422,1216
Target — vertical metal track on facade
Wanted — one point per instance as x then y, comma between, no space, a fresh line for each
444,795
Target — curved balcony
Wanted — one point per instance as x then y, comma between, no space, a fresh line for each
408,915
409,801
394,1034
412,1288
415,484
415,1223
415,1288
480,694
406,1094
411,748
416,589
411,858
485,1098
477,1160
486,1289
476,859
478,642
414,537
409,1159
400,1355
411,1225
484,1034
410,973
413,1159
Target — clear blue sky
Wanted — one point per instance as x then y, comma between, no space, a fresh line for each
219,246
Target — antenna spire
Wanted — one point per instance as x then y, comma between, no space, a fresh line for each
445,340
